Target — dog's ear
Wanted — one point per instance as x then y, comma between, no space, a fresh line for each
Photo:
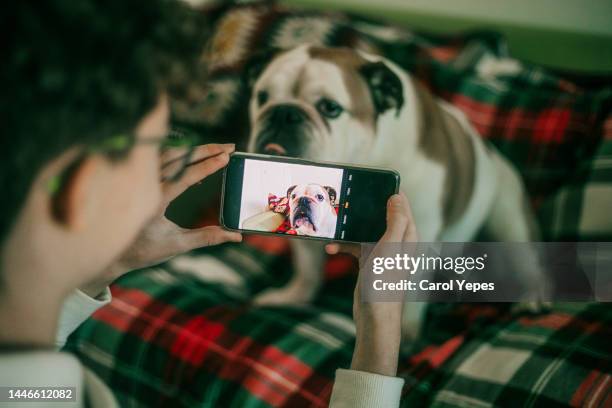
290,189
256,65
332,194
385,86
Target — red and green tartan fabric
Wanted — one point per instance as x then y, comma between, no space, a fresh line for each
278,204
281,205
184,333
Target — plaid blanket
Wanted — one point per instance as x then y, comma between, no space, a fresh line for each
184,333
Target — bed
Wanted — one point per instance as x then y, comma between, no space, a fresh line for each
184,333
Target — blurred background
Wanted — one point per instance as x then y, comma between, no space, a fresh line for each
571,39
563,34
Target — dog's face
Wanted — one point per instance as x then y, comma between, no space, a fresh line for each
311,209
321,103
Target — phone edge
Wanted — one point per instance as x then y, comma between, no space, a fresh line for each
300,161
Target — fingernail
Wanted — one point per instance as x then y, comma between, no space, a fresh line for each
230,145
395,199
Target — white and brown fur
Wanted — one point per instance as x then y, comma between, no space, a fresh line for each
456,184
311,210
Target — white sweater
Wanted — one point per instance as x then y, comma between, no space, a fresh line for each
46,368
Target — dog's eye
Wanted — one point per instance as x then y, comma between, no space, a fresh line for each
329,108
293,195
320,197
262,97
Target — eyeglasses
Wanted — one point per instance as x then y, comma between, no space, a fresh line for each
119,145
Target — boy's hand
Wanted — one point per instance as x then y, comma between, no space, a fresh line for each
378,325
162,239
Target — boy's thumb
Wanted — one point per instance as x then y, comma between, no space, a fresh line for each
398,218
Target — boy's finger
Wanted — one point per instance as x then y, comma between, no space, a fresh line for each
410,235
207,236
332,249
399,219
193,174
175,154
335,248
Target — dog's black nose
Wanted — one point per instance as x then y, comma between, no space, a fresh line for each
287,115
303,202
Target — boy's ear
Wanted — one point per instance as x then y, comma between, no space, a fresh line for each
256,65
71,204
385,86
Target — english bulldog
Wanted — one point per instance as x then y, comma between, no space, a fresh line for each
342,105
311,210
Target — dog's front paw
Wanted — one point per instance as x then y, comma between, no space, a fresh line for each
531,307
282,296
534,301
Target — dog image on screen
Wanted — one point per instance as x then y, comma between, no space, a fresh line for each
311,210
290,198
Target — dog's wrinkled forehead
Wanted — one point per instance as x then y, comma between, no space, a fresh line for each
309,190
309,72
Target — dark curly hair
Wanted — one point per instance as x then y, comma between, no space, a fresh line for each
78,72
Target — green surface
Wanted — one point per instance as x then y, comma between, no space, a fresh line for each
561,50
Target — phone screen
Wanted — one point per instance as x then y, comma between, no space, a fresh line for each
287,196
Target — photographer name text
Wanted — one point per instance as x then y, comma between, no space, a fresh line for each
425,285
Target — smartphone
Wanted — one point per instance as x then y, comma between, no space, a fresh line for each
290,196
